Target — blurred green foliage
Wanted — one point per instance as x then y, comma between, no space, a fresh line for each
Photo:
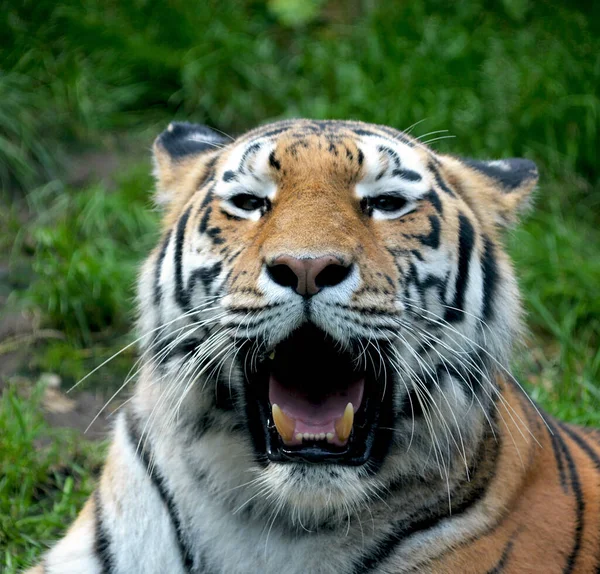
87,247
507,78
556,253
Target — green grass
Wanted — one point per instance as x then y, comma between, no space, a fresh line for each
511,78
45,476
87,246
556,254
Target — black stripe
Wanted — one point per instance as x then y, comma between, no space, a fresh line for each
364,132
385,548
536,418
592,454
592,434
207,198
250,150
204,221
391,153
209,173
152,471
439,180
482,474
228,399
575,487
499,567
102,538
434,199
273,161
558,456
274,131
206,275
463,371
182,297
158,268
422,286
489,268
407,174
390,134
185,347
215,235
417,254
466,240
396,135
582,443
432,239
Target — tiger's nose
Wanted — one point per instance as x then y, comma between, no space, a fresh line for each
308,276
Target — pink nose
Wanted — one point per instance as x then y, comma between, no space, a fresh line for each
308,276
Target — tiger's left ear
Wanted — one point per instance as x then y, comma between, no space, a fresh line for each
501,187
182,154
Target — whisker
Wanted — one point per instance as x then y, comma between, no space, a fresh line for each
430,134
429,142
410,128
129,345
445,324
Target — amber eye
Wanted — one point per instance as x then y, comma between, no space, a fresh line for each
387,203
249,202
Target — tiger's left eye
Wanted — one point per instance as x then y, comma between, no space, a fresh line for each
387,203
248,202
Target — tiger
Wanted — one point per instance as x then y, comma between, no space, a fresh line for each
325,329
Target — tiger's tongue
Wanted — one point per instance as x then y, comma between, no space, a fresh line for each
321,418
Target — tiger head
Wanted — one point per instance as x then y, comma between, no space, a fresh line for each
330,305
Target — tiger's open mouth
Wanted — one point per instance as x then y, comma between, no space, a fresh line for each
310,401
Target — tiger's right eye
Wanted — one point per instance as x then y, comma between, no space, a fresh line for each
248,202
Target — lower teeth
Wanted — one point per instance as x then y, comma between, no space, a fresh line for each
318,436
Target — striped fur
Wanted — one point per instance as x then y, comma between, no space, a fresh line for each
472,479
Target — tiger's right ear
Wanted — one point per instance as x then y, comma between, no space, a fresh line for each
182,154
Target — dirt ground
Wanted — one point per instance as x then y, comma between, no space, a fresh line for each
20,331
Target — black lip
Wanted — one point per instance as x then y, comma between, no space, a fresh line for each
371,435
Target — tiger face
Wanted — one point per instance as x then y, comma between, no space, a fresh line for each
329,304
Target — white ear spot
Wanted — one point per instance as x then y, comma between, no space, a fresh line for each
205,139
500,164
170,127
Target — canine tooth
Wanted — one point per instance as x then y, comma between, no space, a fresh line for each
272,355
285,425
343,426
330,436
